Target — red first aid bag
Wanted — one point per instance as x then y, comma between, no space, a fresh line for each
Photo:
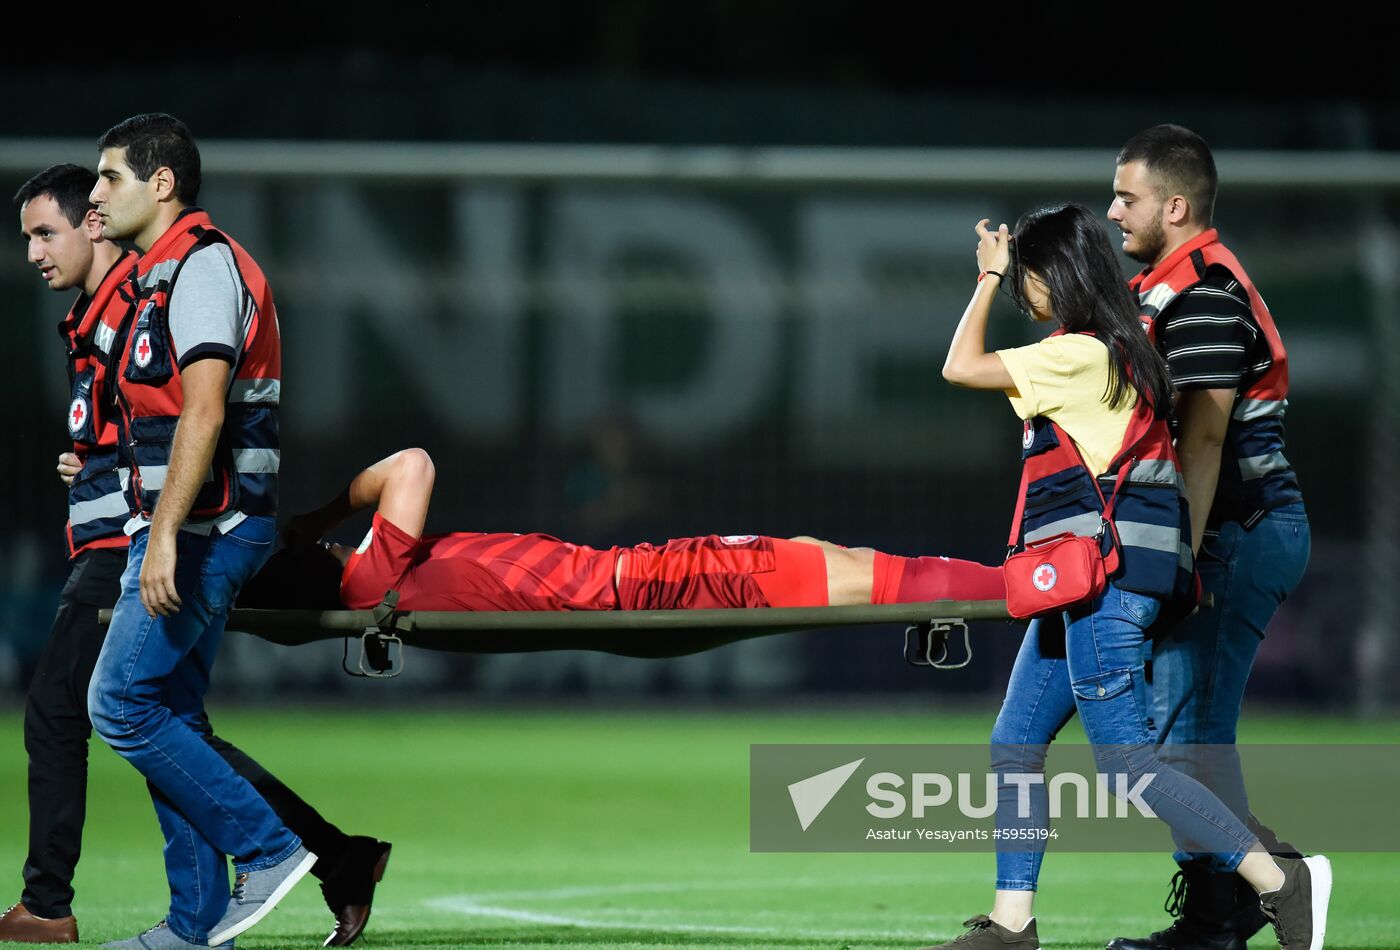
1053,574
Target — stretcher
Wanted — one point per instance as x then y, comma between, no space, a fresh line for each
384,631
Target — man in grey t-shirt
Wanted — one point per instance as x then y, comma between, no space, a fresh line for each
199,381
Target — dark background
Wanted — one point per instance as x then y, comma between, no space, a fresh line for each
733,74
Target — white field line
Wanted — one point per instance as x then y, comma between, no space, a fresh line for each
465,905
486,905
680,887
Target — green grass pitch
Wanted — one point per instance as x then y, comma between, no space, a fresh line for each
624,829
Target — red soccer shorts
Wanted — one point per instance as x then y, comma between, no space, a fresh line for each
715,572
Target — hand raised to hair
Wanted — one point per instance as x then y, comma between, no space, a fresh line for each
993,247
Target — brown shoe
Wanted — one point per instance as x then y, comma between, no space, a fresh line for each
351,892
1298,909
18,925
987,934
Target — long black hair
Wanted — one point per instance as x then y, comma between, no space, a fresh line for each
1067,249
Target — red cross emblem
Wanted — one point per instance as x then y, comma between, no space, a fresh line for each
77,413
143,349
1044,577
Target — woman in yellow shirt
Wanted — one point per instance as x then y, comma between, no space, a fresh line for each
1087,379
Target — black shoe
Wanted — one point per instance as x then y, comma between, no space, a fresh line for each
1180,936
1211,914
350,892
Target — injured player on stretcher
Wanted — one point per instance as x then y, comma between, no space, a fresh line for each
465,571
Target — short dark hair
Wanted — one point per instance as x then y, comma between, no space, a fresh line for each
1182,160
67,184
156,140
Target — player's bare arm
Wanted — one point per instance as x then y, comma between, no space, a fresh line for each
399,486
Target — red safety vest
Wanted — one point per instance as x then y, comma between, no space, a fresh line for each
1258,476
1148,551
247,455
97,507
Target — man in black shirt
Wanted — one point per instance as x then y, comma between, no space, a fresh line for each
1249,530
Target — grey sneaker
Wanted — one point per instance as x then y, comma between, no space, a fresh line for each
1298,909
255,893
987,934
160,937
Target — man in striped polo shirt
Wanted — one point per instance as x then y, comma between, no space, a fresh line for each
1249,528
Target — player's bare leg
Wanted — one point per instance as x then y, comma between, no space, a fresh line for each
850,572
867,576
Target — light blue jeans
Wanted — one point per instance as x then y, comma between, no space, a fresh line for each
1099,671
1200,667
146,700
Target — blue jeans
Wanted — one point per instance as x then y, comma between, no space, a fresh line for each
146,699
1099,671
1199,668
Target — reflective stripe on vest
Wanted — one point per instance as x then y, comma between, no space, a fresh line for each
97,507
1259,477
247,456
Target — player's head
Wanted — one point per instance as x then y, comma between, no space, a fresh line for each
147,163
1163,191
59,224
1063,267
300,577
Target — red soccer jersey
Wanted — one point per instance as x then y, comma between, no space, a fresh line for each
473,571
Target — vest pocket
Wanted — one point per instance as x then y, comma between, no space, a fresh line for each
96,465
1076,496
80,425
149,359
97,507
149,452
1064,501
